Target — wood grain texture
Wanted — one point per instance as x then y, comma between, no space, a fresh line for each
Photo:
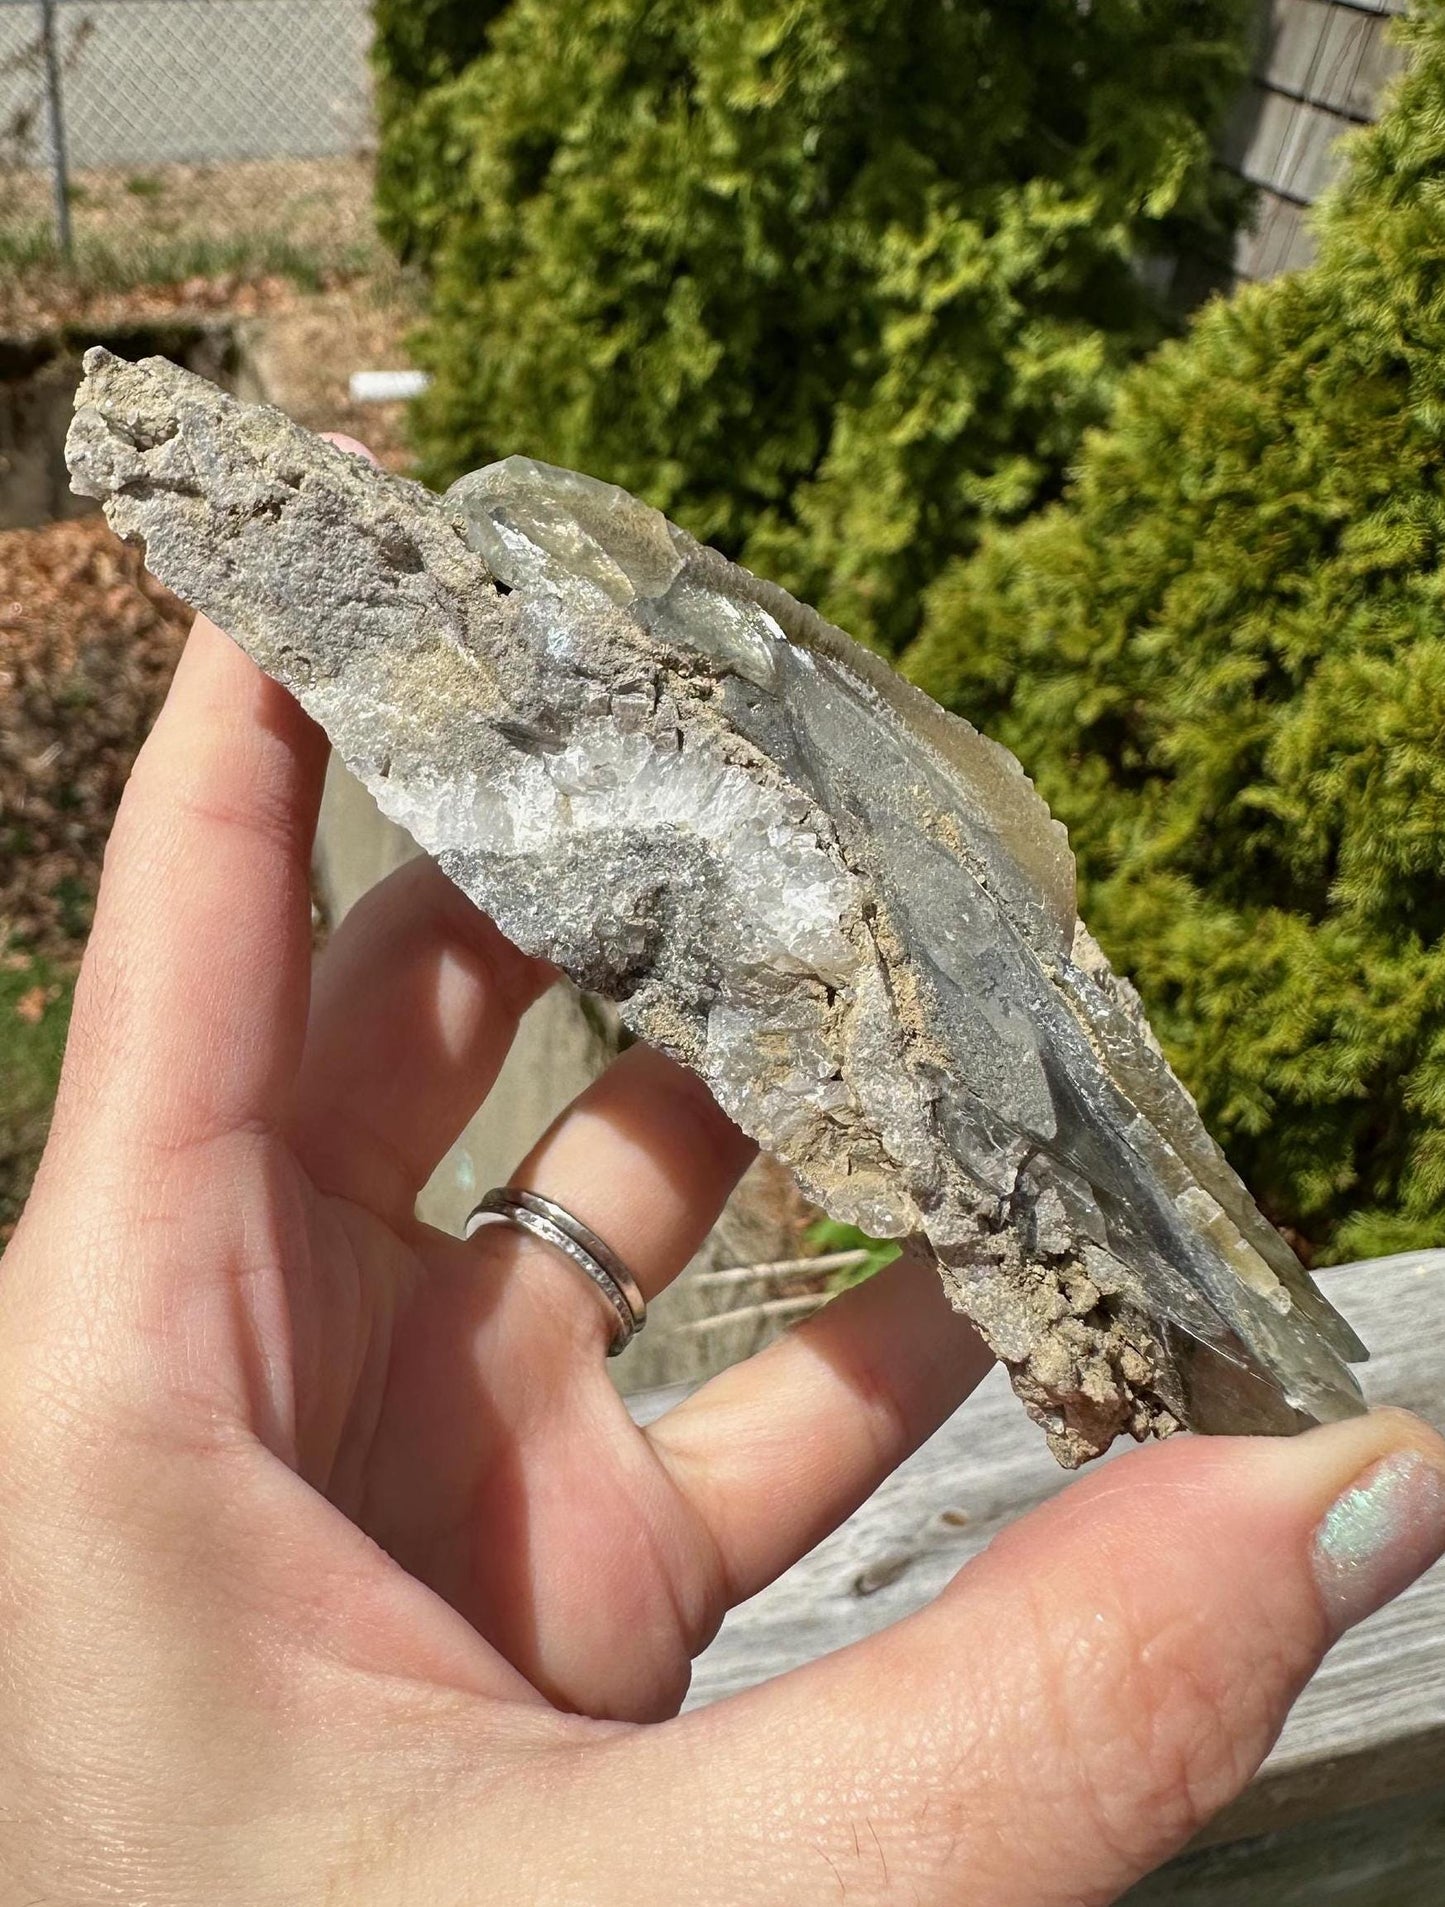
1371,1725
1389,1856
1320,69
1335,56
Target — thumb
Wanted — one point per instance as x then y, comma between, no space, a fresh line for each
1083,1697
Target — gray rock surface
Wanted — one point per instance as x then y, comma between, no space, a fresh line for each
848,911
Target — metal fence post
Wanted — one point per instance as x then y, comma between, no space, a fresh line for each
59,170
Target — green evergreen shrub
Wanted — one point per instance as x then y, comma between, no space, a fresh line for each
834,282
418,46
1223,659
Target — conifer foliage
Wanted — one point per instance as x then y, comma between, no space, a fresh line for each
834,282
418,48
1223,658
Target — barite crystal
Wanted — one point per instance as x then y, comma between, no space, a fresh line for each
847,910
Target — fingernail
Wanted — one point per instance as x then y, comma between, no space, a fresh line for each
1383,1532
352,444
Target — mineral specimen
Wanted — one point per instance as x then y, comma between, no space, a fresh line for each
848,911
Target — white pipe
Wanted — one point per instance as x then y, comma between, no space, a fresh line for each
386,387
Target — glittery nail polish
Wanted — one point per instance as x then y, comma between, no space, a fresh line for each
1382,1533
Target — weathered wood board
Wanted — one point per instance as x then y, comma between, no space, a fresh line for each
1370,1726
1387,1856
1321,68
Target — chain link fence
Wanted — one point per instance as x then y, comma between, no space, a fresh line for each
143,135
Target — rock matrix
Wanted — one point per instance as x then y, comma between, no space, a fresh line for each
848,911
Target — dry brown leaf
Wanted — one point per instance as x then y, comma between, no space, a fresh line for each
84,670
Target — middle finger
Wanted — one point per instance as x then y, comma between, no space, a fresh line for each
414,1006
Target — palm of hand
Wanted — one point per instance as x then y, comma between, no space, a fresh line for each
517,1488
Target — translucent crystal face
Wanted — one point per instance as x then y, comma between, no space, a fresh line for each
536,524
540,526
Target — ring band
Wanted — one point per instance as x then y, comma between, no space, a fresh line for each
544,1218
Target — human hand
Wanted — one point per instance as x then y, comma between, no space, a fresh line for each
332,1567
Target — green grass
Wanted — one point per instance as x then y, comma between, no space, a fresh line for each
829,1235
30,1057
102,265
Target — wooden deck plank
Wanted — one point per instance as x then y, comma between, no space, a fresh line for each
1389,1856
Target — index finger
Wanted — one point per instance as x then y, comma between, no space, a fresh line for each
191,1006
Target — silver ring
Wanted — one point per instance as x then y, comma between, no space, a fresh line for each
544,1218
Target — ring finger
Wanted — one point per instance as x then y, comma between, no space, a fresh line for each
646,1160
506,1473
